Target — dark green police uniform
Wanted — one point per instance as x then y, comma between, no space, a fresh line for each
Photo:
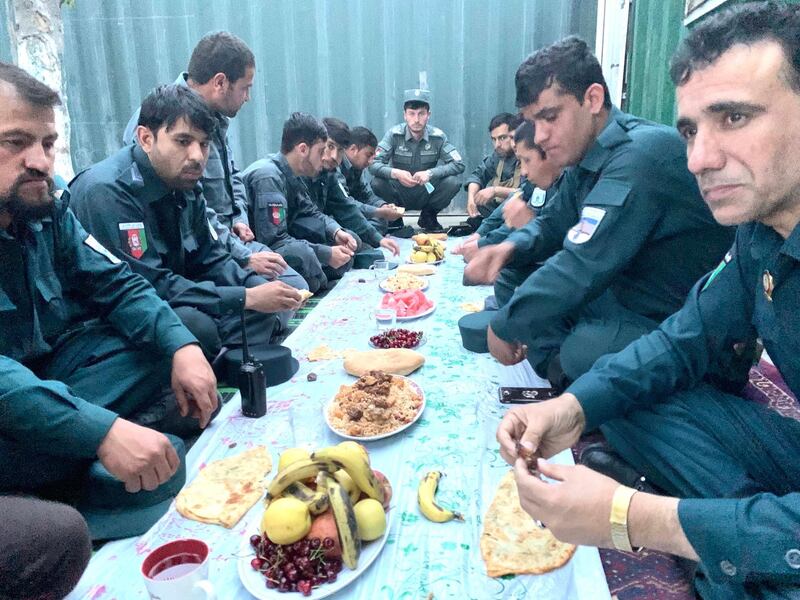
734,461
82,340
164,235
493,229
622,241
399,150
285,218
494,171
359,189
226,199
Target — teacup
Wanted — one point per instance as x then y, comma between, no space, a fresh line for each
178,570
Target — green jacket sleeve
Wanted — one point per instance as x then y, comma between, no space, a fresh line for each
483,173
382,165
348,214
453,163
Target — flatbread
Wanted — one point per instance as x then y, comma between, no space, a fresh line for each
472,306
305,295
226,489
417,269
325,352
512,543
397,361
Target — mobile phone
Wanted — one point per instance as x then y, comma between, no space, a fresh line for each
525,395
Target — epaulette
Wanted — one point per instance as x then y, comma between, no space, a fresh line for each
437,131
397,129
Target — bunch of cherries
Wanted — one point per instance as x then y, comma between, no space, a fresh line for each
397,338
297,567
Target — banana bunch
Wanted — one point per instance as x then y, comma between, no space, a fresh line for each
426,498
345,518
301,470
426,249
356,466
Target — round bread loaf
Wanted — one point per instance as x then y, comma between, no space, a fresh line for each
397,361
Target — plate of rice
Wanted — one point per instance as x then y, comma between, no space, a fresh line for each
374,407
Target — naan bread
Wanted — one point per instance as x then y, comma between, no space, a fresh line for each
325,352
417,269
305,295
511,543
226,489
397,361
472,306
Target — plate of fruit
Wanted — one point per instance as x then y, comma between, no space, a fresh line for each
398,338
326,520
409,304
426,250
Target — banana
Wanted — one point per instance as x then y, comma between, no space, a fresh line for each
356,467
427,503
426,248
347,482
297,471
316,501
345,518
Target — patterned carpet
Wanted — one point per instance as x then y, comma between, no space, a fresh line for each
657,576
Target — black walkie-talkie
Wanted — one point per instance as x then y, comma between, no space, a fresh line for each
252,381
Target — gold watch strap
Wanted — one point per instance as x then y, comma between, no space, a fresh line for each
619,518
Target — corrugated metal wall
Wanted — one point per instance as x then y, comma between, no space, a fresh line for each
346,58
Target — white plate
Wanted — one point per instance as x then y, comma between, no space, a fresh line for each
436,262
254,582
380,436
422,289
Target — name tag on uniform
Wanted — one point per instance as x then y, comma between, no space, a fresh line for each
100,249
133,239
585,228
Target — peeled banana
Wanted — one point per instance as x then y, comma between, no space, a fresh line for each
297,471
355,465
345,518
426,497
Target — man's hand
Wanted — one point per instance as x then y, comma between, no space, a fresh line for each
194,383
339,256
272,297
422,177
487,263
506,353
141,458
389,212
243,232
467,249
269,264
404,177
543,429
517,213
342,238
484,196
472,237
390,245
472,208
576,509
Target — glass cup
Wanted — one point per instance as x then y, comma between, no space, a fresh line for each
384,318
380,268
178,570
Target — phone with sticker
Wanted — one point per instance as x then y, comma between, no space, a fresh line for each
525,395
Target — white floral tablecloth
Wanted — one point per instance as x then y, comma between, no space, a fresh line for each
456,434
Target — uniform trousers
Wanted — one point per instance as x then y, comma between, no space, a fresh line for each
704,443
44,548
417,197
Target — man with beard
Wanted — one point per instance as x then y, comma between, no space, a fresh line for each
282,212
498,175
331,197
144,202
221,70
85,345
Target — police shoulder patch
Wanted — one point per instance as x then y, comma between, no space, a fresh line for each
538,198
590,219
133,239
455,155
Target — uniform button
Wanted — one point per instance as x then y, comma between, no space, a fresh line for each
792,558
728,568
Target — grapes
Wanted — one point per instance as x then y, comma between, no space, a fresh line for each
397,338
297,567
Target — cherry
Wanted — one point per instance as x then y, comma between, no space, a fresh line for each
257,563
304,587
328,543
255,540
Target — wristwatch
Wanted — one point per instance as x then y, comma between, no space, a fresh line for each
620,504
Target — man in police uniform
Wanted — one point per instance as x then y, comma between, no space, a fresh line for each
358,156
282,213
406,170
221,70
538,177
623,239
144,203
330,196
498,175
730,465
85,345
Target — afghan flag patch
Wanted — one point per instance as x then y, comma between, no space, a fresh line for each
277,213
133,239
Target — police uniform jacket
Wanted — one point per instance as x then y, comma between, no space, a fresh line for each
487,170
756,287
358,188
399,150
628,218
54,278
163,234
277,199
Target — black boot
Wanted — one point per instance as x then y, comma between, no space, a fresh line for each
601,458
428,222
